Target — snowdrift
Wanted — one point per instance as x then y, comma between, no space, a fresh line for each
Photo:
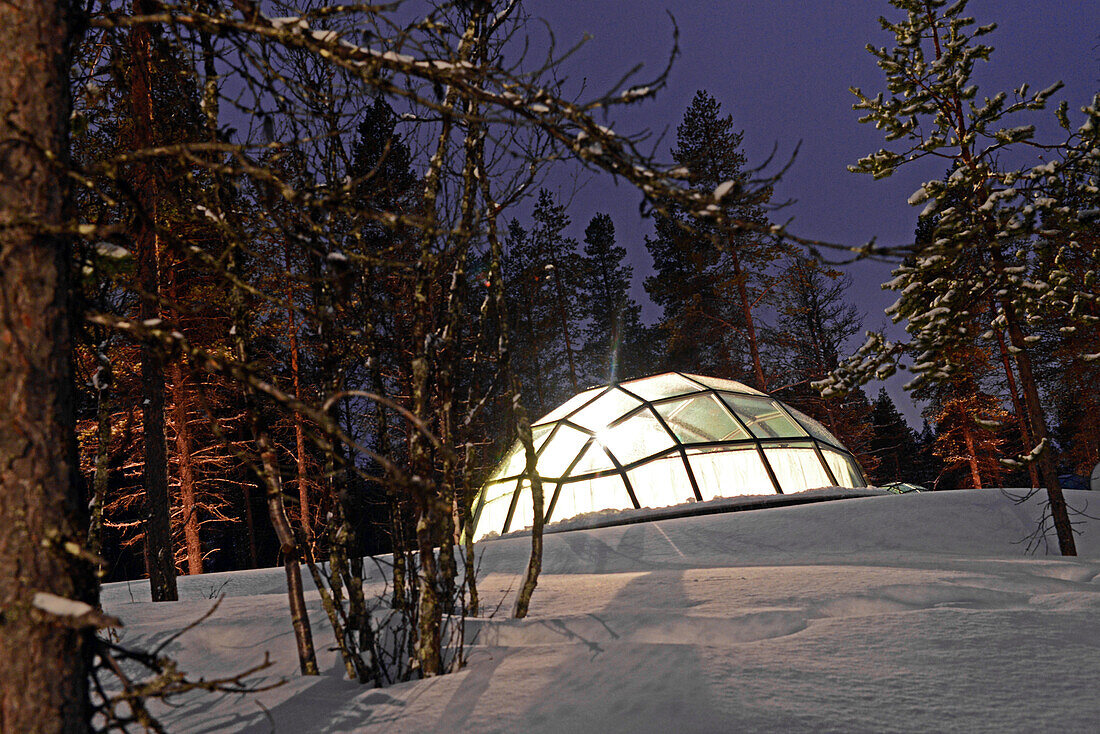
885,613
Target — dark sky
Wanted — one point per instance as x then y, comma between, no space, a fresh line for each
782,68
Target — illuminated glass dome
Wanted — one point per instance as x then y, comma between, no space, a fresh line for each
659,441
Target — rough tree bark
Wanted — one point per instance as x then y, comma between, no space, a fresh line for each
971,455
299,429
1017,405
159,557
189,504
44,655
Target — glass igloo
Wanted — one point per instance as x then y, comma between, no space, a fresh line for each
662,440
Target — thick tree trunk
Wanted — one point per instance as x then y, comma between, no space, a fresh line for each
1058,511
534,563
186,465
159,557
971,455
44,657
1017,406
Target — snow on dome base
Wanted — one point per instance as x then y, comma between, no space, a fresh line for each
659,441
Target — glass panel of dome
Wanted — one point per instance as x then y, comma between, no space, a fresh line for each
594,459
816,429
496,490
604,409
495,510
662,483
637,437
844,469
661,386
720,384
729,473
700,419
539,435
515,461
511,465
570,405
587,495
763,417
523,515
560,451
797,469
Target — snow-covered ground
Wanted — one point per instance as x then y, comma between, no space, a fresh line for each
919,612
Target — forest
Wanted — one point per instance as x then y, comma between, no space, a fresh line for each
288,279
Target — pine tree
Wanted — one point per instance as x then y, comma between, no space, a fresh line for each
47,590
892,443
971,260
545,277
813,323
615,346
711,297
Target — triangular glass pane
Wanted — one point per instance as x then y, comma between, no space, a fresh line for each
763,416
603,410
560,451
700,419
515,461
570,405
539,435
511,465
594,459
661,386
844,469
498,498
636,438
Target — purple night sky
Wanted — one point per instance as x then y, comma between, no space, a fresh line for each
782,68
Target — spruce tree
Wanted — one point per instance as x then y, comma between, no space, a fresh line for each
615,346
972,259
711,297
813,322
892,443
545,276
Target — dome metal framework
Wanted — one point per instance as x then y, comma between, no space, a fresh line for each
662,440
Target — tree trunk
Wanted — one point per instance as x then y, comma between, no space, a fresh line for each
1058,511
44,659
303,635
750,325
159,557
971,455
189,505
1017,406
519,413
272,484
299,429
102,467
